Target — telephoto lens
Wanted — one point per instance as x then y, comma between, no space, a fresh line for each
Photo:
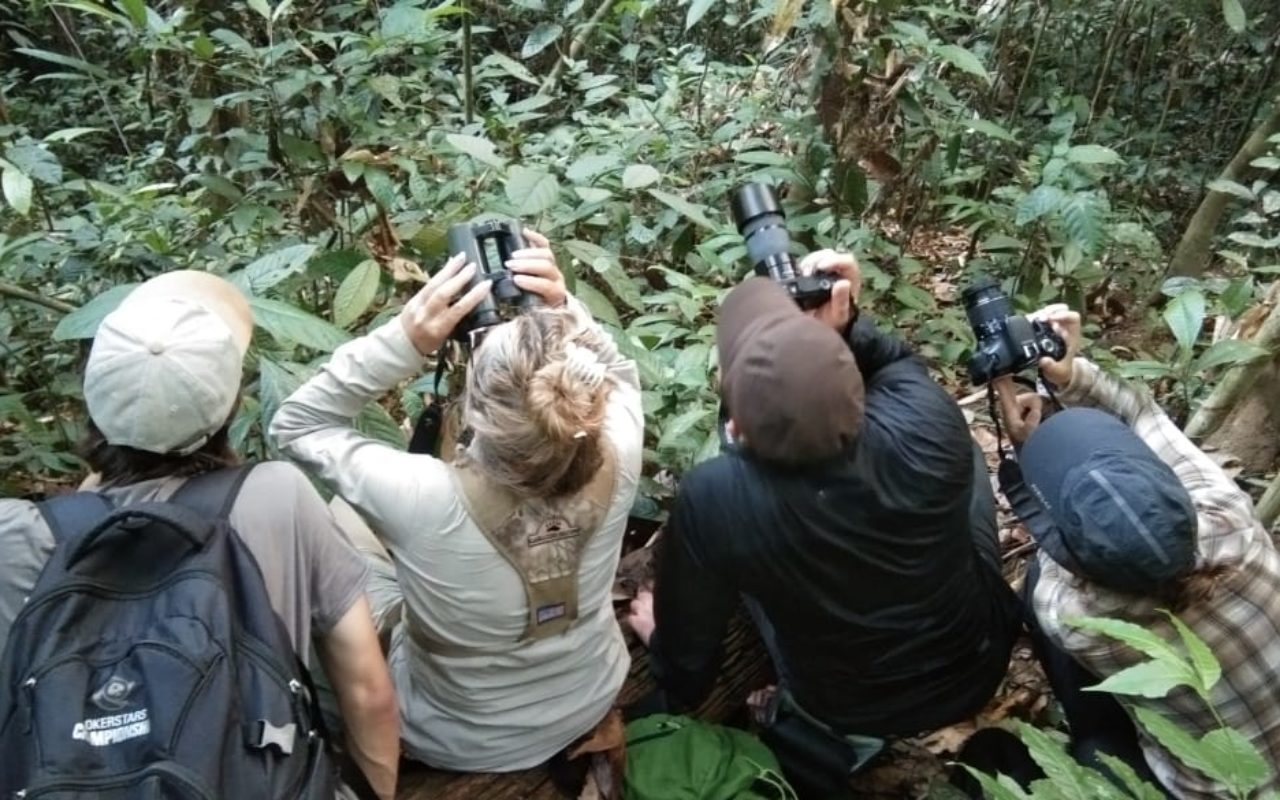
764,230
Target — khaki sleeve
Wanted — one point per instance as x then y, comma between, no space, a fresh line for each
25,545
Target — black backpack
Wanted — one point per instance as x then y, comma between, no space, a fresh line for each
148,662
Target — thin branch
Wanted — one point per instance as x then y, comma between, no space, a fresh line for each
9,290
576,46
106,102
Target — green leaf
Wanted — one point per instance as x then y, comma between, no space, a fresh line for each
69,134
767,158
638,176
64,61
1233,13
376,422
587,167
273,268
17,189
543,34
1043,200
261,7
90,7
597,304
691,211
1092,154
356,293
478,147
1233,188
606,265
1229,351
1234,756
83,322
531,191
1001,788
913,297
1070,780
276,381
1185,317
1084,216
1137,787
964,60
1149,679
989,128
697,10
289,323
1223,755
1136,636
510,66
675,433
402,21
1205,664
1145,369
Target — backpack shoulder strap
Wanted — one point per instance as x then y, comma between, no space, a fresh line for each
70,516
212,494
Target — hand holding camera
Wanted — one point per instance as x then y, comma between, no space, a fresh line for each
1065,323
1008,343
842,268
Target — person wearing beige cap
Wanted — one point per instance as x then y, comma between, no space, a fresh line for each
854,516
161,385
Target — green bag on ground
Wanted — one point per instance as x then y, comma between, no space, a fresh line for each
678,758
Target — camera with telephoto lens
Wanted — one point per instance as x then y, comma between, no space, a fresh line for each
488,243
1007,342
764,230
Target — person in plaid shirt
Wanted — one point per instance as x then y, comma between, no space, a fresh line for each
1141,521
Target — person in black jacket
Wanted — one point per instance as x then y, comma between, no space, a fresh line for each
853,515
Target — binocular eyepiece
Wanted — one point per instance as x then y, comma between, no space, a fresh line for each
763,226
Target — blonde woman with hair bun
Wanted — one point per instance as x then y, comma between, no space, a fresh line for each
492,572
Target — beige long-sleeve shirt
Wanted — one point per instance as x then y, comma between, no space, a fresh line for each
481,700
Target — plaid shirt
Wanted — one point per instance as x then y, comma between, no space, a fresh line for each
1240,622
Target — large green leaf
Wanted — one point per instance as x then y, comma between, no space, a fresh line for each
376,422
1149,679
276,381
1233,13
77,64
1070,780
1231,352
1136,636
606,265
1137,787
1092,154
274,267
83,322
478,147
691,211
18,188
1205,664
1042,200
289,323
1084,216
697,10
597,304
543,34
1185,317
964,60
356,293
1235,758
638,176
531,191
675,433
1001,787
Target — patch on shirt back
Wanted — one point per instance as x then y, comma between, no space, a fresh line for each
548,613
553,529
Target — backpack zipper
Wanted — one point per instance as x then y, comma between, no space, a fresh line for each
98,590
164,769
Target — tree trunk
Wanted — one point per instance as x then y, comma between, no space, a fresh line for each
1238,383
1192,254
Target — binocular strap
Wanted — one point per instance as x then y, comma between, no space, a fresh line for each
541,538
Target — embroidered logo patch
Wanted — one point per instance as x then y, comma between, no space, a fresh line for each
553,529
113,729
549,613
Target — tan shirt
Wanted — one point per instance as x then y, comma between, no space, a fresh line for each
313,575
480,699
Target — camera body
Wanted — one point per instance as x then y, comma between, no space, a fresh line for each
488,243
763,226
1007,342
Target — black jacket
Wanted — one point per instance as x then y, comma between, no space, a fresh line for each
886,619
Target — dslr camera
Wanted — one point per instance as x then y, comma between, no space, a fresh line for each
764,230
488,243
1007,342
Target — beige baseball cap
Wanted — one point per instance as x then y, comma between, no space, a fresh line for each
164,371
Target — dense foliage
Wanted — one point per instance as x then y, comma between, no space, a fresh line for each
315,152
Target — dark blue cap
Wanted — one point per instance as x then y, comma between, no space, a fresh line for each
1121,517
